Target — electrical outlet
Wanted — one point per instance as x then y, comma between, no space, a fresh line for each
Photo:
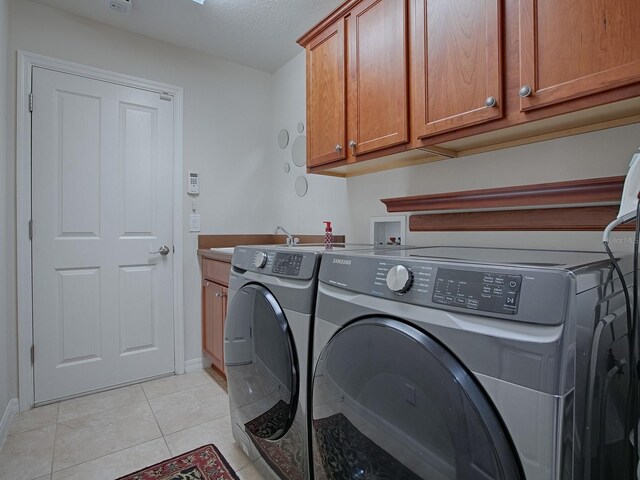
120,6
194,222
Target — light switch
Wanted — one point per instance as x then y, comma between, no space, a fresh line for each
194,222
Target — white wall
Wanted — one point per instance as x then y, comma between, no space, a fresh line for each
327,196
597,154
226,107
8,362
232,118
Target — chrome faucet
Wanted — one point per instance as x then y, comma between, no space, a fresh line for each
290,239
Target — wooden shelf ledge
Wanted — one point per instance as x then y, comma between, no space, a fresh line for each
589,191
533,220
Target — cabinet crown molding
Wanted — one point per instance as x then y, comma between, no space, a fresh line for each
333,17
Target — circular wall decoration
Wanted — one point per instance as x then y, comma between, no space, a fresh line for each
287,167
299,151
301,186
283,138
300,127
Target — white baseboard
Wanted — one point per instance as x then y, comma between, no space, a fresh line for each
196,364
10,411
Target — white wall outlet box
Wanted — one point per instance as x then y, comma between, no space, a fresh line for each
193,183
120,6
194,222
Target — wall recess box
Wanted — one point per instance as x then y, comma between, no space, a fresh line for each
383,229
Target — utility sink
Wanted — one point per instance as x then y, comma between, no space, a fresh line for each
223,249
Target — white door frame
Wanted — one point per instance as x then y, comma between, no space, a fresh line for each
26,61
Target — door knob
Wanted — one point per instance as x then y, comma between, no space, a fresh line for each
163,250
490,102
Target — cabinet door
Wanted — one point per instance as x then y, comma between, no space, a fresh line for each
378,76
571,49
214,310
326,97
218,328
457,64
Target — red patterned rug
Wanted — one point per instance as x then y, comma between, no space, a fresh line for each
204,463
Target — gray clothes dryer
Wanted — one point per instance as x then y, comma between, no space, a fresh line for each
470,363
272,293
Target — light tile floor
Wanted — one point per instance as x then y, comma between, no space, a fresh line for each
110,434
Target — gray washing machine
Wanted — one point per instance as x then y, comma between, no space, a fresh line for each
272,293
470,363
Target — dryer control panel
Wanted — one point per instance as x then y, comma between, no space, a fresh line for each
486,291
531,295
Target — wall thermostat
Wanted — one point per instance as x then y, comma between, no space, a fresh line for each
193,186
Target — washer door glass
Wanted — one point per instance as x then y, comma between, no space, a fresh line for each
389,402
260,362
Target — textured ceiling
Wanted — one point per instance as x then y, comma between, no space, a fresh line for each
256,33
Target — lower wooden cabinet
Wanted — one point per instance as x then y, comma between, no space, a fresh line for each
214,310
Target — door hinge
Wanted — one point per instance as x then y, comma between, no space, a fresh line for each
33,354
174,249
31,101
31,229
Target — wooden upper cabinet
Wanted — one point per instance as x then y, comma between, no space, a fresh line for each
326,96
422,80
377,89
573,49
456,64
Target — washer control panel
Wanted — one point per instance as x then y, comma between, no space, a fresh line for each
277,262
287,264
476,290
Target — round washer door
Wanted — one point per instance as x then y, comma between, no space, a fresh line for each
261,364
390,402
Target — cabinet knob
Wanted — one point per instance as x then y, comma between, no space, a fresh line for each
338,148
221,294
525,91
490,102
353,144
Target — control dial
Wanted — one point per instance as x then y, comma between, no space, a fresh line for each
399,279
261,260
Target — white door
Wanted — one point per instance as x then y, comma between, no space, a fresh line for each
102,201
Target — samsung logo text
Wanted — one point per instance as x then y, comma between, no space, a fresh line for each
342,261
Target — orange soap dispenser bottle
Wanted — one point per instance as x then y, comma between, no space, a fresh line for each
328,236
